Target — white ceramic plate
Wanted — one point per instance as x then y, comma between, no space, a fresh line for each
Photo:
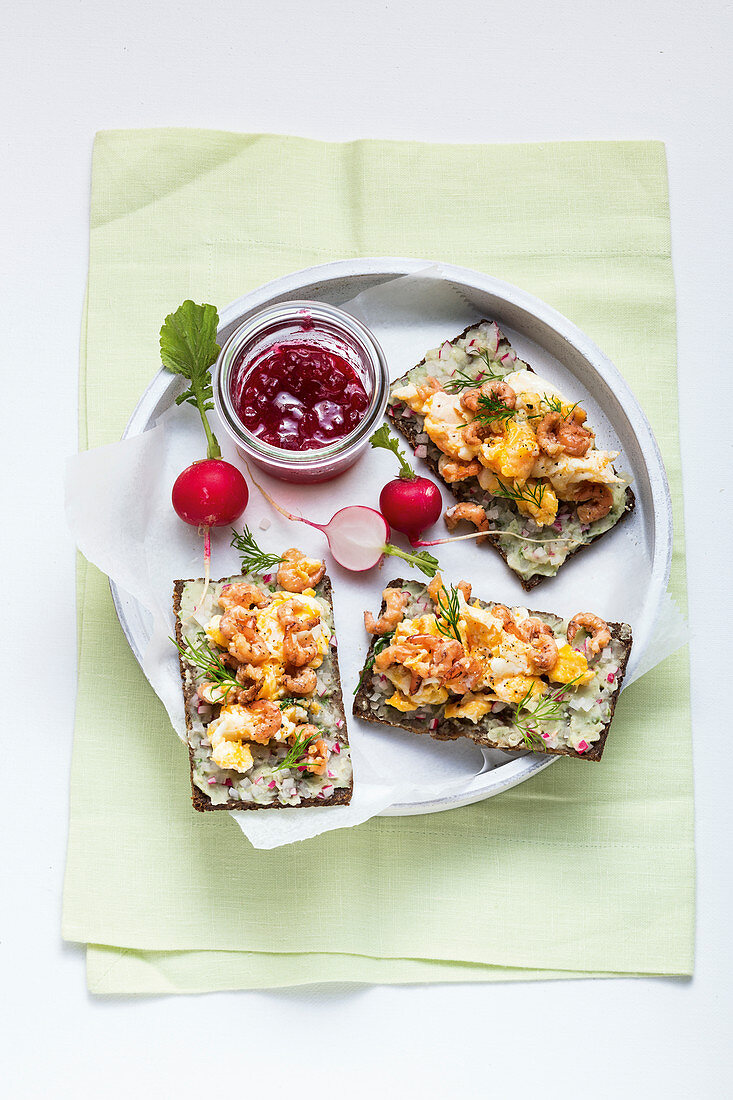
557,350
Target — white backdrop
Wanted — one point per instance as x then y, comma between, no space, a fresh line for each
467,71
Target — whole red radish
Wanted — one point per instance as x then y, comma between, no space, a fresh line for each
210,492
409,503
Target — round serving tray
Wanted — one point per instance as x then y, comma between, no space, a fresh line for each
521,315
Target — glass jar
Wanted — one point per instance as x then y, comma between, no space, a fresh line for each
319,326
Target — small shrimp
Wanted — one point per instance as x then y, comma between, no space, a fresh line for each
267,721
289,612
316,755
299,647
459,471
475,433
596,501
243,595
472,513
428,388
297,572
251,678
395,600
249,648
543,647
594,626
495,388
508,623
236,621
465,673
300,682
464,587
556,435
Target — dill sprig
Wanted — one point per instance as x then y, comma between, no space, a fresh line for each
203,658
548,709
531,494
448,613
462,380
254,560
297,752
381,643
491,408
554,404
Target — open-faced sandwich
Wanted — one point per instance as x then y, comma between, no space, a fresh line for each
446,664
519,457
264,711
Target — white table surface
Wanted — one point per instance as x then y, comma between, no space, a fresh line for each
463,71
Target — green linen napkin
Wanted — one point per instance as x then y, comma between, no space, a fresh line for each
584,870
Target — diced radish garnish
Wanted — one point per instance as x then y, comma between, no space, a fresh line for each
337,747
272,784
583,746
610,678
211,781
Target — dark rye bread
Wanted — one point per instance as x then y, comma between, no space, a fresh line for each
341,795
410,429
450,729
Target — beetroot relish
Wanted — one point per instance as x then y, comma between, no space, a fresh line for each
299,396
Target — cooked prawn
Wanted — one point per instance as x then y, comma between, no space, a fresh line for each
429,386
475,433
245,644
472,513
395,600
289,614
495,388
251,678
542,644
458,471
243,595
464,587
508,623
464,674
297,572
557,435
266,721
299,647
212,693
594,626
236,621
300,682
596,501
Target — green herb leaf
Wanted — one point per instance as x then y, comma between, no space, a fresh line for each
533,494
383,438
188,347
462,380
381,643
491,408
554,404
202,657
448,612
297,752
549,707
254,560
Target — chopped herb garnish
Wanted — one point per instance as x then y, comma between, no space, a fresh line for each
462,380
491,408
381,643
554,404
254,560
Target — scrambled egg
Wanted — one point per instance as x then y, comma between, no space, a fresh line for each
514,688
513,454
566,472
570,663
471,706
233,754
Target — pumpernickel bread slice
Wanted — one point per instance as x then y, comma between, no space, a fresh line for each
370,700
330,703
410,425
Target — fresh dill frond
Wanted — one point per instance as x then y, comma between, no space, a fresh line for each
297,752
491,408
254,560
532,494
381,643
202,657
555,404
448,613
462,380
549,707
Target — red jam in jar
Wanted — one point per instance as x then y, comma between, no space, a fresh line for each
298,395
